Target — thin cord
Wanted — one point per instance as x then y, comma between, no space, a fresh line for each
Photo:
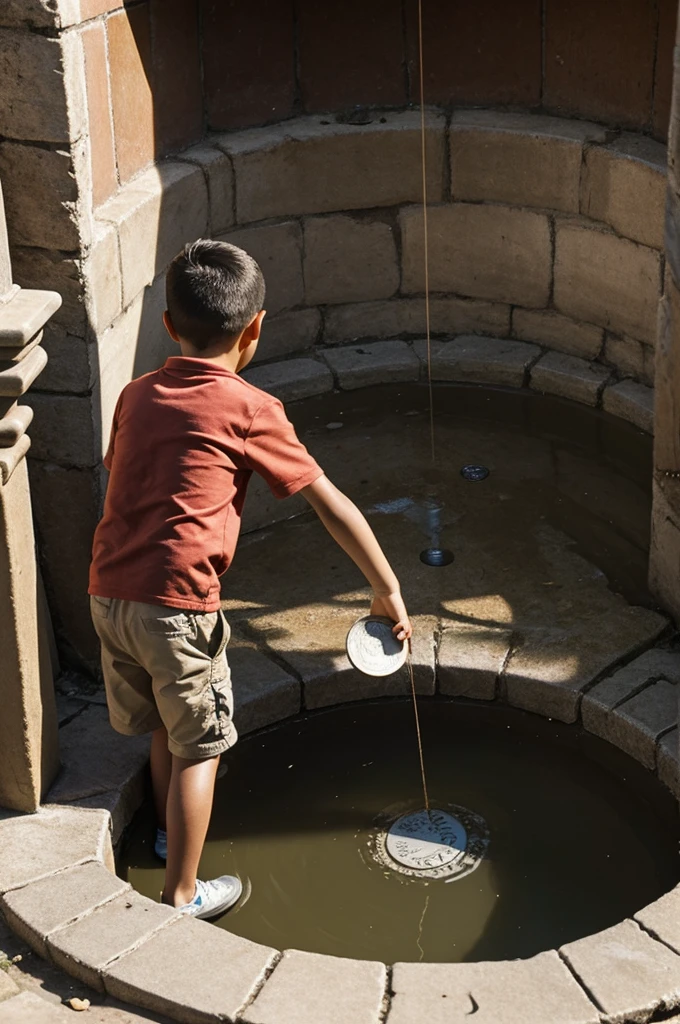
409,662
425,224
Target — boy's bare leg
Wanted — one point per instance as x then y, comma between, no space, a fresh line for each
190,800
161,770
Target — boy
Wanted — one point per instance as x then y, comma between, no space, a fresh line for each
184,442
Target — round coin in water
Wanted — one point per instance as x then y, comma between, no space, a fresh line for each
474,473
436,557
373,648
430,844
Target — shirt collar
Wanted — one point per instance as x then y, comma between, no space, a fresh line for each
190,365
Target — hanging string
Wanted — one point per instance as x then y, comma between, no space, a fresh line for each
409,662
426,247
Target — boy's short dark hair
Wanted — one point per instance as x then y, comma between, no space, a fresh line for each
213,291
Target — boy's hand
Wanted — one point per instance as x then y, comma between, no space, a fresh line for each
391,606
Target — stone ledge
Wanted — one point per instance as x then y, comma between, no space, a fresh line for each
293,379
470,659
637,725
662,919
668,761
632,402
480,360
626,683
24,315
16,381
379,362
569,377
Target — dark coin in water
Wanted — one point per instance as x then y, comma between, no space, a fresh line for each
474,473
436,557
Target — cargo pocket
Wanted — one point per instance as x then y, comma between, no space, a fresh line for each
224,706
219,669
170,626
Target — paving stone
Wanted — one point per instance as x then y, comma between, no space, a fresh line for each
480,360
624,184
96,758
518,159
220,177
485,252
606,280
626,971
558,332
535,991
8,988
668,760
278,250
625,683
406,317
192,971
382,362
85,947
287,333
121,804
32,846
264,693
630,358
631,401
662,918
569,377
292,379
636,725
41,197
27,1008
470,659
349,260
304,167
37,909
323,989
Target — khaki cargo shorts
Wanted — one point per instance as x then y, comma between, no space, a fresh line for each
163,666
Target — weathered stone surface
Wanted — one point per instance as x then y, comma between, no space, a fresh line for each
55,838
406,317
569,377
486,252
480,360
220,177
39,13
71,366
190,969
668,761
24,315
40,196
323,989
95,758
349,260
607,280
470,659
636,725
379,363
38,269
41,907
62,430
14,425
624,185
263,692
83,948
8,988
278,250
662,919
292,379
558,332
289,332
629,973
10,458
519,159
532,991
632,402
304,167
28,1008
16,380
625,683
664,565
42,112
102,279
121,804
630,357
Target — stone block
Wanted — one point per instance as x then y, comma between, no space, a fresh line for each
41,844
349,260
626,971
631,401
630,358
278,250
305,167
101,142
470,659
102,279
41,907
292,379
29,1008
51,108
519,159
323,989
399,318
289,332
668,761
264,693
636,725
624,185
569,377
662,919
219,174
62,430
155,216
95,758
24,315
83,948
41,197
535,991
382,362
8,988
192,971
557,332
38,269
16,380
485,252
607,280
71,364
625,683
480,360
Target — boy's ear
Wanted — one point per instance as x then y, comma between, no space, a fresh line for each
169,326
252,331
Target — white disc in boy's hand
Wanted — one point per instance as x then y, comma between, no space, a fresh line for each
373,648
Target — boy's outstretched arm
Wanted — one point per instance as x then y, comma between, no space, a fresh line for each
348,527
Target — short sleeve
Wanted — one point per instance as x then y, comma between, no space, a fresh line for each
273,450
108,458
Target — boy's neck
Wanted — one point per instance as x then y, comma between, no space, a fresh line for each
228,360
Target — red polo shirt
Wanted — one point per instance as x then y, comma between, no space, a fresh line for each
184,443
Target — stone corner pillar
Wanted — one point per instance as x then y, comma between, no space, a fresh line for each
29,757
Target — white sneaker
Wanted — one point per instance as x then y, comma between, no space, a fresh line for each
160,846
213,898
